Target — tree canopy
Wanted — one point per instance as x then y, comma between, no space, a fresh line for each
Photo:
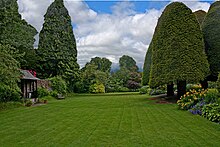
57,51
103,64
178,47
128,63
211,32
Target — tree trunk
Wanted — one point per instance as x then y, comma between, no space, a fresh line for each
204,84
170,91
181,88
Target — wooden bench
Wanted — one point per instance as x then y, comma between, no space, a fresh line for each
60,97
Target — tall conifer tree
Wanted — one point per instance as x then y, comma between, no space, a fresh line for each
57,45
14,31
211,32
178,49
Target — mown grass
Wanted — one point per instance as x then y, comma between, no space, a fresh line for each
106,120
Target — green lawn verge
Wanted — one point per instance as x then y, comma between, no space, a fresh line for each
106,120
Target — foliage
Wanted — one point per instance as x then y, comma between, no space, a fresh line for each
128,63
28,102
9,68
211,112
196,87
147,66
144,90
197,109
41,92
103,64
178,48
57,51
10,105
133,85
211,32
218,83
200,16
190,99
97,88
13,30
212,84
89,76
211,96
54,94
58,84
8,93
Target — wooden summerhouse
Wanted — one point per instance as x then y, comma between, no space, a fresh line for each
28,84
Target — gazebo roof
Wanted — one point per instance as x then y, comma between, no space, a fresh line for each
27,75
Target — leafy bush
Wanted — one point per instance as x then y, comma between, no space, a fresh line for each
54,94
211,112
9,94
211,96
97,88
212,84
10,105
196,87
144,90
190,99
28,103
156,91
58,84
41,92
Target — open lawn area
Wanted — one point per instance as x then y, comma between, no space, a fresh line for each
106,120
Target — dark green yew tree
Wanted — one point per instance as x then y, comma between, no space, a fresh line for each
15,31
211,32
147,66
200,16
57,45
178,49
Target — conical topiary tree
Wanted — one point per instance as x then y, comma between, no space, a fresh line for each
211,32
147,66
178,49
57,46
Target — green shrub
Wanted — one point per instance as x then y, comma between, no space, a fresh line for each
97,88
54,94
211,96
58,84
196,87
10,105
9,94
211,112
212,84
41,92
28,103
190,99
144,90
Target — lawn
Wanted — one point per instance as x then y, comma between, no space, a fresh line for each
106,120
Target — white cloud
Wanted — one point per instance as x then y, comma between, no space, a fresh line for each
124,32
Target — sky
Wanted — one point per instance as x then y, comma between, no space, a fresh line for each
108,28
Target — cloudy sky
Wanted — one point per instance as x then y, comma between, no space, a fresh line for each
108,28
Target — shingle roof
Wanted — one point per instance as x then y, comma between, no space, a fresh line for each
27,75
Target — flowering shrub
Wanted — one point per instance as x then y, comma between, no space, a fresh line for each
197,109
196,87
190,99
